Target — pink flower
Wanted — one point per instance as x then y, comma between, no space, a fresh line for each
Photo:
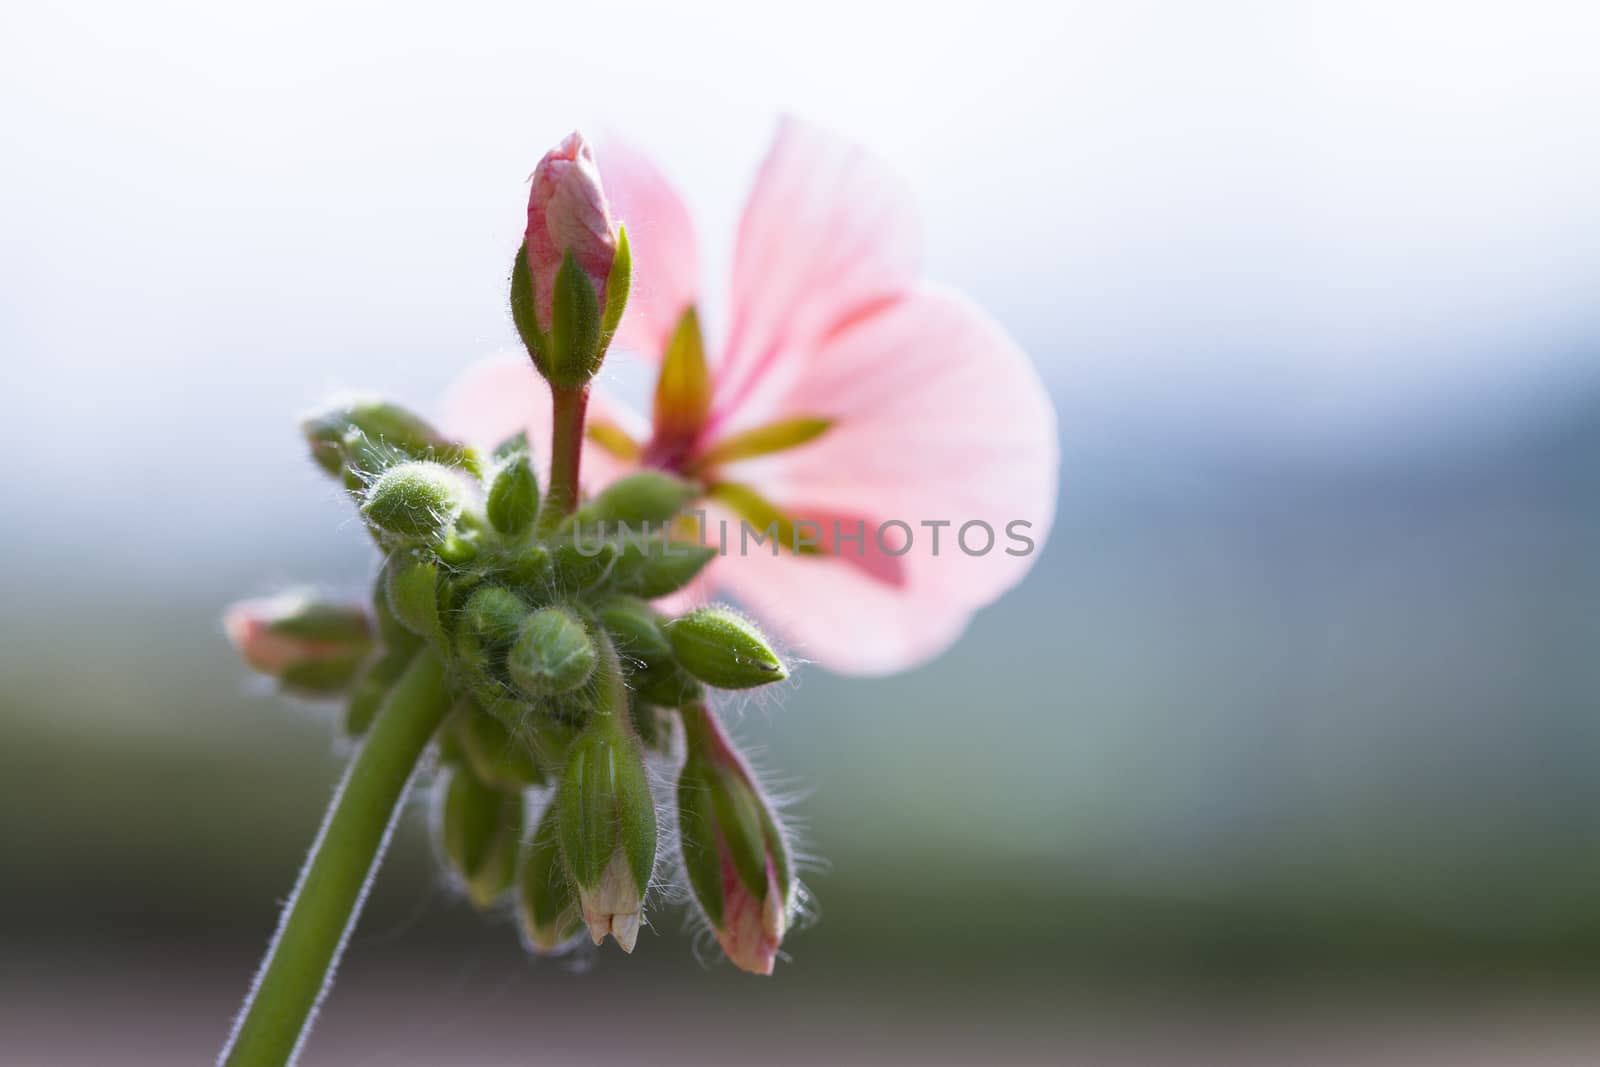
567,209
847,396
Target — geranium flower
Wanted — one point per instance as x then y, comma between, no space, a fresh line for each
847,396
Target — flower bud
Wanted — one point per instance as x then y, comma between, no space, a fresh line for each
513,501
419,501
553,654
386,426
494,614
547,903
652,497
570,280
607,819
313,648
735,855
724,649
480,828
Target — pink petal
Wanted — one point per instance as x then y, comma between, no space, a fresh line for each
498,396
666,262
829,233
940,416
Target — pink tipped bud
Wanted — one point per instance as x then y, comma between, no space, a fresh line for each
311,647
733,850
567,211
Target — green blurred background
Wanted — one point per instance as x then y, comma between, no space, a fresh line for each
1285,753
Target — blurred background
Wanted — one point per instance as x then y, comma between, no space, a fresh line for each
1287,753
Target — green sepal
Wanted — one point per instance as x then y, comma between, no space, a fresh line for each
411,587
647,497
513,501
523,313
657,569
698,837
764,440
574,344
724,649
457,550
547,904
738,813
517,442
392,631
618,283
553,654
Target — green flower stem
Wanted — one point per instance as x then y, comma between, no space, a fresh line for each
566,450
326,901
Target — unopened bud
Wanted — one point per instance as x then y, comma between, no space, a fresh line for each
494,614
553,654
335,431
311,647
513,501
481,831
547,903
607,818
418,501
735,855
570,281
724,649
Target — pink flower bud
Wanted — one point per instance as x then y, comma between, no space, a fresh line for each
567,211
734,851
311,647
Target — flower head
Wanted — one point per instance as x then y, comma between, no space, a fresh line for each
889,441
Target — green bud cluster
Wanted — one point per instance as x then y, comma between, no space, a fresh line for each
565,678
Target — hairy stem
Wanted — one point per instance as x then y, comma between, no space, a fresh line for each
323,908
566,451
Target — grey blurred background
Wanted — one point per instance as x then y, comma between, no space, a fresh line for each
1287,751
